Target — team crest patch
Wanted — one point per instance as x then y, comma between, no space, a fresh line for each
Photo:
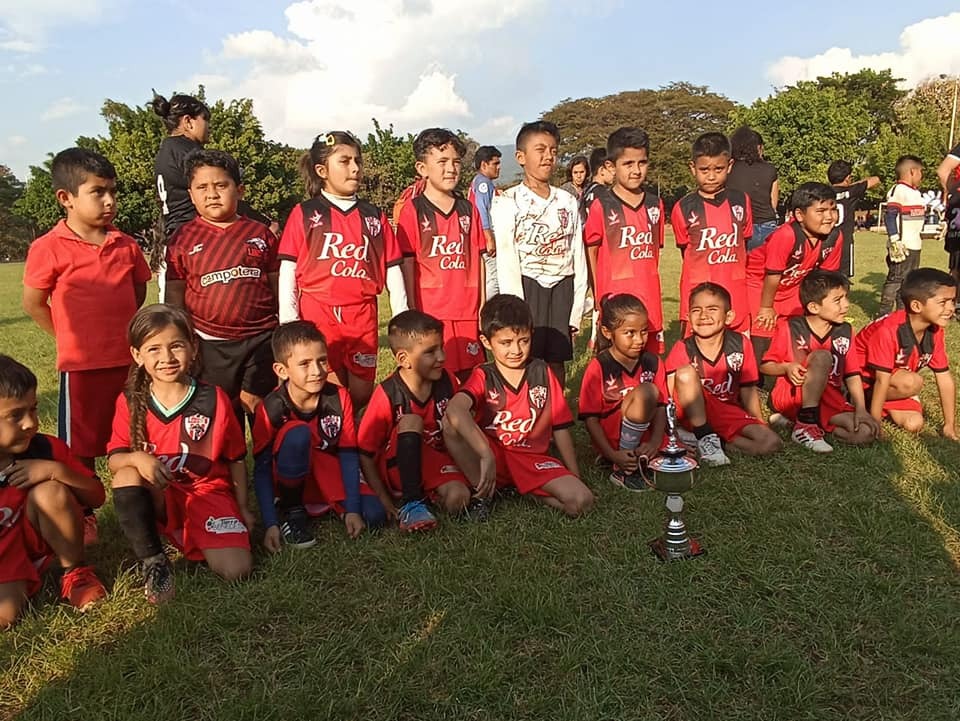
330,425
564,216
646,376
8,516
365,360
735,361
924,360
224,524
196,426
738,212
316,220
465,223
373,225
257,247
546,465
473,348
841,345
538,396
442,406
654,215
613,218
482,188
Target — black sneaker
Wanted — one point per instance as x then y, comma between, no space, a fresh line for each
158,580
478,510
296,529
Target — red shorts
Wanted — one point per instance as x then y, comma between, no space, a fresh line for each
24,554
787,399
461,345
906,405
324,487
351,333
437,469
87,403
727,418
528,472
203,515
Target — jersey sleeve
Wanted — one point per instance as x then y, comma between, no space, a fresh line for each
591,391
478,241
832,261
749,372
938,361
781,347
292,241
141,270
660,383
747,217
176,270
263,431
679,225
858,191
475,388
376,424
779,248
594,226
881,350
61,453
408,230
392,253
348,429
272,262
561,416
676,357
852,363
120,432
233,444
41,270
483,198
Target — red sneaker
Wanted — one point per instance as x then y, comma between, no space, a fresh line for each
81,587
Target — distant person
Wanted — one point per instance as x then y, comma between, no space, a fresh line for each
904,221
849,194
487,163
949,175
753,175
601,176
577,173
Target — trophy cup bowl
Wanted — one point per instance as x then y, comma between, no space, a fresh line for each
673,474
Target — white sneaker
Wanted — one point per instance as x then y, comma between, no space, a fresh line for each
711,451
810,436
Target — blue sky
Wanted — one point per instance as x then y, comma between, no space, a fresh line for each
484,67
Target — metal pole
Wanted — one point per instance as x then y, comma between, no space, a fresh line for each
953,116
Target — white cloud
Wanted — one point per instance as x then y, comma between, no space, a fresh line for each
499,130
15,140
927,48
24,25
62,108
343,62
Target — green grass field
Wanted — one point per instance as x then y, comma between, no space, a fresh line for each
829,591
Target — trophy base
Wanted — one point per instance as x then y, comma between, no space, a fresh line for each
660,550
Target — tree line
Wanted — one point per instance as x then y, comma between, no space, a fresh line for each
862,117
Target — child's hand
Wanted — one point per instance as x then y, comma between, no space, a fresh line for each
151,469
863,418
354,524
26,474
766,318
625,460
488,476
796,373
271,539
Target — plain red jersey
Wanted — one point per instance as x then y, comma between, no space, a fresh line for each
197,443
792,256
332,422
794,340
391,400
735,366
341,256
606,382
447,248
520,419
889,344
92,294
712,233
228,293
628,241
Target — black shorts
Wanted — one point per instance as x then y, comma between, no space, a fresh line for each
954,260
235,365
551,308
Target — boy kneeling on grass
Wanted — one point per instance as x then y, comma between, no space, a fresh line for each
499,425
43,490
813,359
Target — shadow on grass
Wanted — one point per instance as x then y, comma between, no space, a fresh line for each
868,299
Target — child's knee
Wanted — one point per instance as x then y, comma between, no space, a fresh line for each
233,566
51,497
820,361
912,423
768,442
13,597
373,512
638,405
410,423
293,451
686,375
579,503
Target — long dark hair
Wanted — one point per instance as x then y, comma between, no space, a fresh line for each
176,108
321,150
613,310
745,145
148,321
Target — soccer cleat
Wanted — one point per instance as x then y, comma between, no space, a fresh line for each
90,530
711,452
810,436
415,516
779,422
81,587
158,580
478,510
296,529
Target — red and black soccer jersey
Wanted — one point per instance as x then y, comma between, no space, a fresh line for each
794,340
628,241
341,256
226,270
735,366
792,256
447,248
520,419
331,423
197,443
393,399
606,382
889,344
712,233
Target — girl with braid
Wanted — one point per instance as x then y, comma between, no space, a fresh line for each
177,457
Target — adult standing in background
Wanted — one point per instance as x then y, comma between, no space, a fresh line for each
487,162
577,173
849,194
753,175
948,172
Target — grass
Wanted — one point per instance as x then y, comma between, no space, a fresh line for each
829,591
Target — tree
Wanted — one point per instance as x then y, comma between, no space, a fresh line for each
388,165
14,230
673,117
877,90
37,204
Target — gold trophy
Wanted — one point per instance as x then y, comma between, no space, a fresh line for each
673,474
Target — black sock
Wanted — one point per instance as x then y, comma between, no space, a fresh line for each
410,466
808,416
138,520
702,431
290,493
